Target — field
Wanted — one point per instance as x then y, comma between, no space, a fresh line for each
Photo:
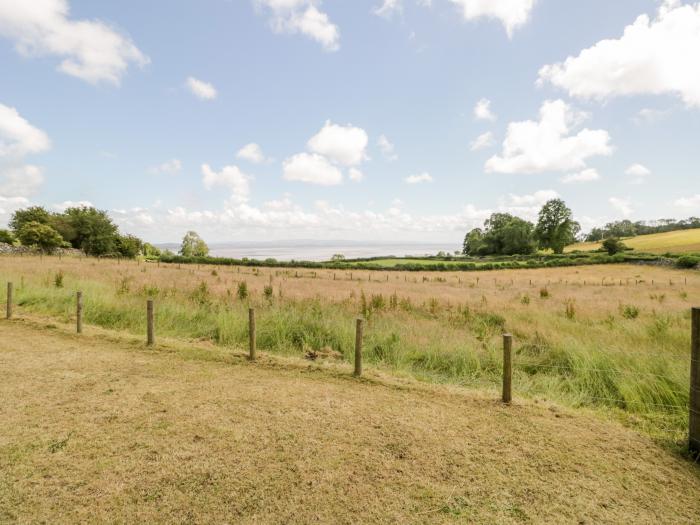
683,241
99,429
612,338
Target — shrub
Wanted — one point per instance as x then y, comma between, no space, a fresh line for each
268,292
629,311
58,279
687,261
525,299
613,245
544,293
242,291
7,237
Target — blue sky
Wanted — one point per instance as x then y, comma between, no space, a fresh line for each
363,119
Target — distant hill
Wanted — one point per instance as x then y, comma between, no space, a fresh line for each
681,241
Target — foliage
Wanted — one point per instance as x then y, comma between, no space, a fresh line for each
613,245
688,261
7,237
503,234
193,245
27,215
95,233
41,236
242,291
150,251
556,228
338,257
129,245
627,228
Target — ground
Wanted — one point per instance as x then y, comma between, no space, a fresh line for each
682,241
98,428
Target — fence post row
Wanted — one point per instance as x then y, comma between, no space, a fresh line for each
507,368
79,312
358,346
150,335
251,334
9,300
694,408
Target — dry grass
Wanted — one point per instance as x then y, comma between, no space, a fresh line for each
682,241
103,430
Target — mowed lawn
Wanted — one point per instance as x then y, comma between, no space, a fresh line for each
99,429
683,241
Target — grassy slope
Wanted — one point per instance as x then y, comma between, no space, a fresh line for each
683,241
101,429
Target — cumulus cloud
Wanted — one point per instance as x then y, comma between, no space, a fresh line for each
638,172
169,167
201,89
252,153
689,202
624,206
344,145
388,8
18,137
302,17
653,56
419,179
387,148
20,181
587,175
526,206
483,141
355,175
511,13
230,177
482,110
63,206
312,168
91,50
548,144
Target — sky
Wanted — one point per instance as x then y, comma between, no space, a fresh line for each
382,120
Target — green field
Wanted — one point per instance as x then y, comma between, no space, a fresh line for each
682,241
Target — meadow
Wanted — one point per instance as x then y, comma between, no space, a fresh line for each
681,241
612,338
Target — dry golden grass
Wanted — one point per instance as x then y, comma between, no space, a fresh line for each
681,241
99,429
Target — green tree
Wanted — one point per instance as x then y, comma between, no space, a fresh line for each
503,234
41,236
31,214
613,245
193,245
473,242
95,233
150,251
129,245
556,227
7,237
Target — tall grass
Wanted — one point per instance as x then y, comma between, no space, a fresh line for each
633,365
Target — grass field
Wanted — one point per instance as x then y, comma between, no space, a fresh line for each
99,429
683,241
612,338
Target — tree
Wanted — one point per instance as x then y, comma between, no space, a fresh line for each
338,257
613,245
503,234
95,233
31,214
150,251
193,245
40,235
129,245
556,227
473,242
7,237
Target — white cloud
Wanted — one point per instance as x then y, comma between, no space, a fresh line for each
201,89
653,56
311,168
388,8
230,177
252,153
511,13
624,206
547,145
18,137
587,175
63,206
482,110
649,116
526,206
302,16
387,148
20,181
344,145
639,172
91,50
689,202
355,175
170,167
419,179
483,141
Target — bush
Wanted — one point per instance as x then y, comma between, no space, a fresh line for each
687,261
242,291
629,311
613,245
7,237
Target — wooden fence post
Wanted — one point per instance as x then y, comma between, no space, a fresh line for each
79,312
150,335
251,333
358,346
507,367
694,415
9,300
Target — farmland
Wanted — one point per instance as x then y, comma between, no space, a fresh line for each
612,338
682,241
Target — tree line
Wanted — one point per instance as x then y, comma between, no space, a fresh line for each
506,234
627,228
83,228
